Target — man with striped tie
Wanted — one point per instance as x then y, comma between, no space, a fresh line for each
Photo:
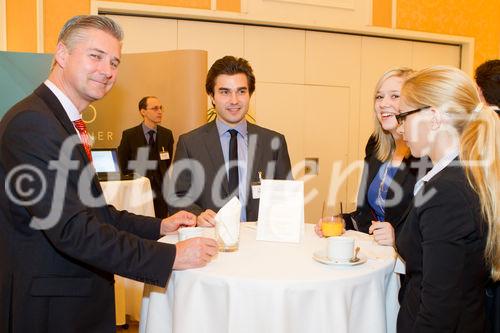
60,244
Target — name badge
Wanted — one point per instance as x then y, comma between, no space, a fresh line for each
256,190
164,155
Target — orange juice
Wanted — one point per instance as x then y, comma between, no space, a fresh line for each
332,226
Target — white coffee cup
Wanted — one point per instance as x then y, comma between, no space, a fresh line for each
190,232
340,248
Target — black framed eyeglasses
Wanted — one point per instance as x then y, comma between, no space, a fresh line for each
156,108
402,116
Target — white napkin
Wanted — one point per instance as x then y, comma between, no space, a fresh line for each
228,221
281,211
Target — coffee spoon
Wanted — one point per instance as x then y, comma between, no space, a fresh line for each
355,258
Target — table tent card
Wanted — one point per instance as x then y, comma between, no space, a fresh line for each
228,218
281,211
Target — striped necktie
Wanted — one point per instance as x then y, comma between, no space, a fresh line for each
84,136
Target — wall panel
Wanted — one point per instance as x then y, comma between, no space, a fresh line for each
145,34
325,131
217,39
277,55
56,13
430,54
21,25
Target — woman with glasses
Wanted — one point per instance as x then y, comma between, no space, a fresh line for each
451,235
388,179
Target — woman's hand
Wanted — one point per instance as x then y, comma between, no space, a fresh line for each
317,229
383,233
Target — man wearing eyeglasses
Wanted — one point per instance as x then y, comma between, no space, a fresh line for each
160,142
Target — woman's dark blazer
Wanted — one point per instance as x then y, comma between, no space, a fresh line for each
405,177
442,242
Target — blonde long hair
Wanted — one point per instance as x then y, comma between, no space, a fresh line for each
479,127
385,144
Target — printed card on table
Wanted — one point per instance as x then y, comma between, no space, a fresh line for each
281,211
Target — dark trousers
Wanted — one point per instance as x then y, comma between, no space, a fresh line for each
493,307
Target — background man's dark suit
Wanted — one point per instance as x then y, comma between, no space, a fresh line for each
442,242
60,280
203,145
132,139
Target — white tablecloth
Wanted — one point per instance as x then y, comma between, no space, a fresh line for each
278,288
136,197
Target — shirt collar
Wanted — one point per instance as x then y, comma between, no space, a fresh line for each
147,129
68,106
440,165
222,127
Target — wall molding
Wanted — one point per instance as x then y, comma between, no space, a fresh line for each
394,14
466,43
3,25
344,4
40,47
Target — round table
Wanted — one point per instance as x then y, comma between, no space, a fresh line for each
277,287
136,197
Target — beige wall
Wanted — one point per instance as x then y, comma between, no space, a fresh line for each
477,19
55,14
21,25
22,30
201,4
175,77
382,13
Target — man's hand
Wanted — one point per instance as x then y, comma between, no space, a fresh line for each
179,219
194,252
206,219
383,233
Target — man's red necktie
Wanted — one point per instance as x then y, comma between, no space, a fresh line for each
84,136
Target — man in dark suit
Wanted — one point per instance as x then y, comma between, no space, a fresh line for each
60,242
158,140
488,82
224,157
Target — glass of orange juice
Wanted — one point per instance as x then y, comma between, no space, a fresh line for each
332,225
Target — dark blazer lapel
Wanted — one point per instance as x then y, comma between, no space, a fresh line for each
139,136
56,107
374,164
212,144
162,140
254,158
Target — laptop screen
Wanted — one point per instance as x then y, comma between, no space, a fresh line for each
105,160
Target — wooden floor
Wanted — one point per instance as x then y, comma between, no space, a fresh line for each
133,327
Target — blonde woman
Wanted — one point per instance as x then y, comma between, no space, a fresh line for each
451,236
387,184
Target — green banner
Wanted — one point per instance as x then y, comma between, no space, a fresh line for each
20,74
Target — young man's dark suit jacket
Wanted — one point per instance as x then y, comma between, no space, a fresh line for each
405,177
132,139
61,279
203,145
442,242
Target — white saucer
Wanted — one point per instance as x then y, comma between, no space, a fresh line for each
321,257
